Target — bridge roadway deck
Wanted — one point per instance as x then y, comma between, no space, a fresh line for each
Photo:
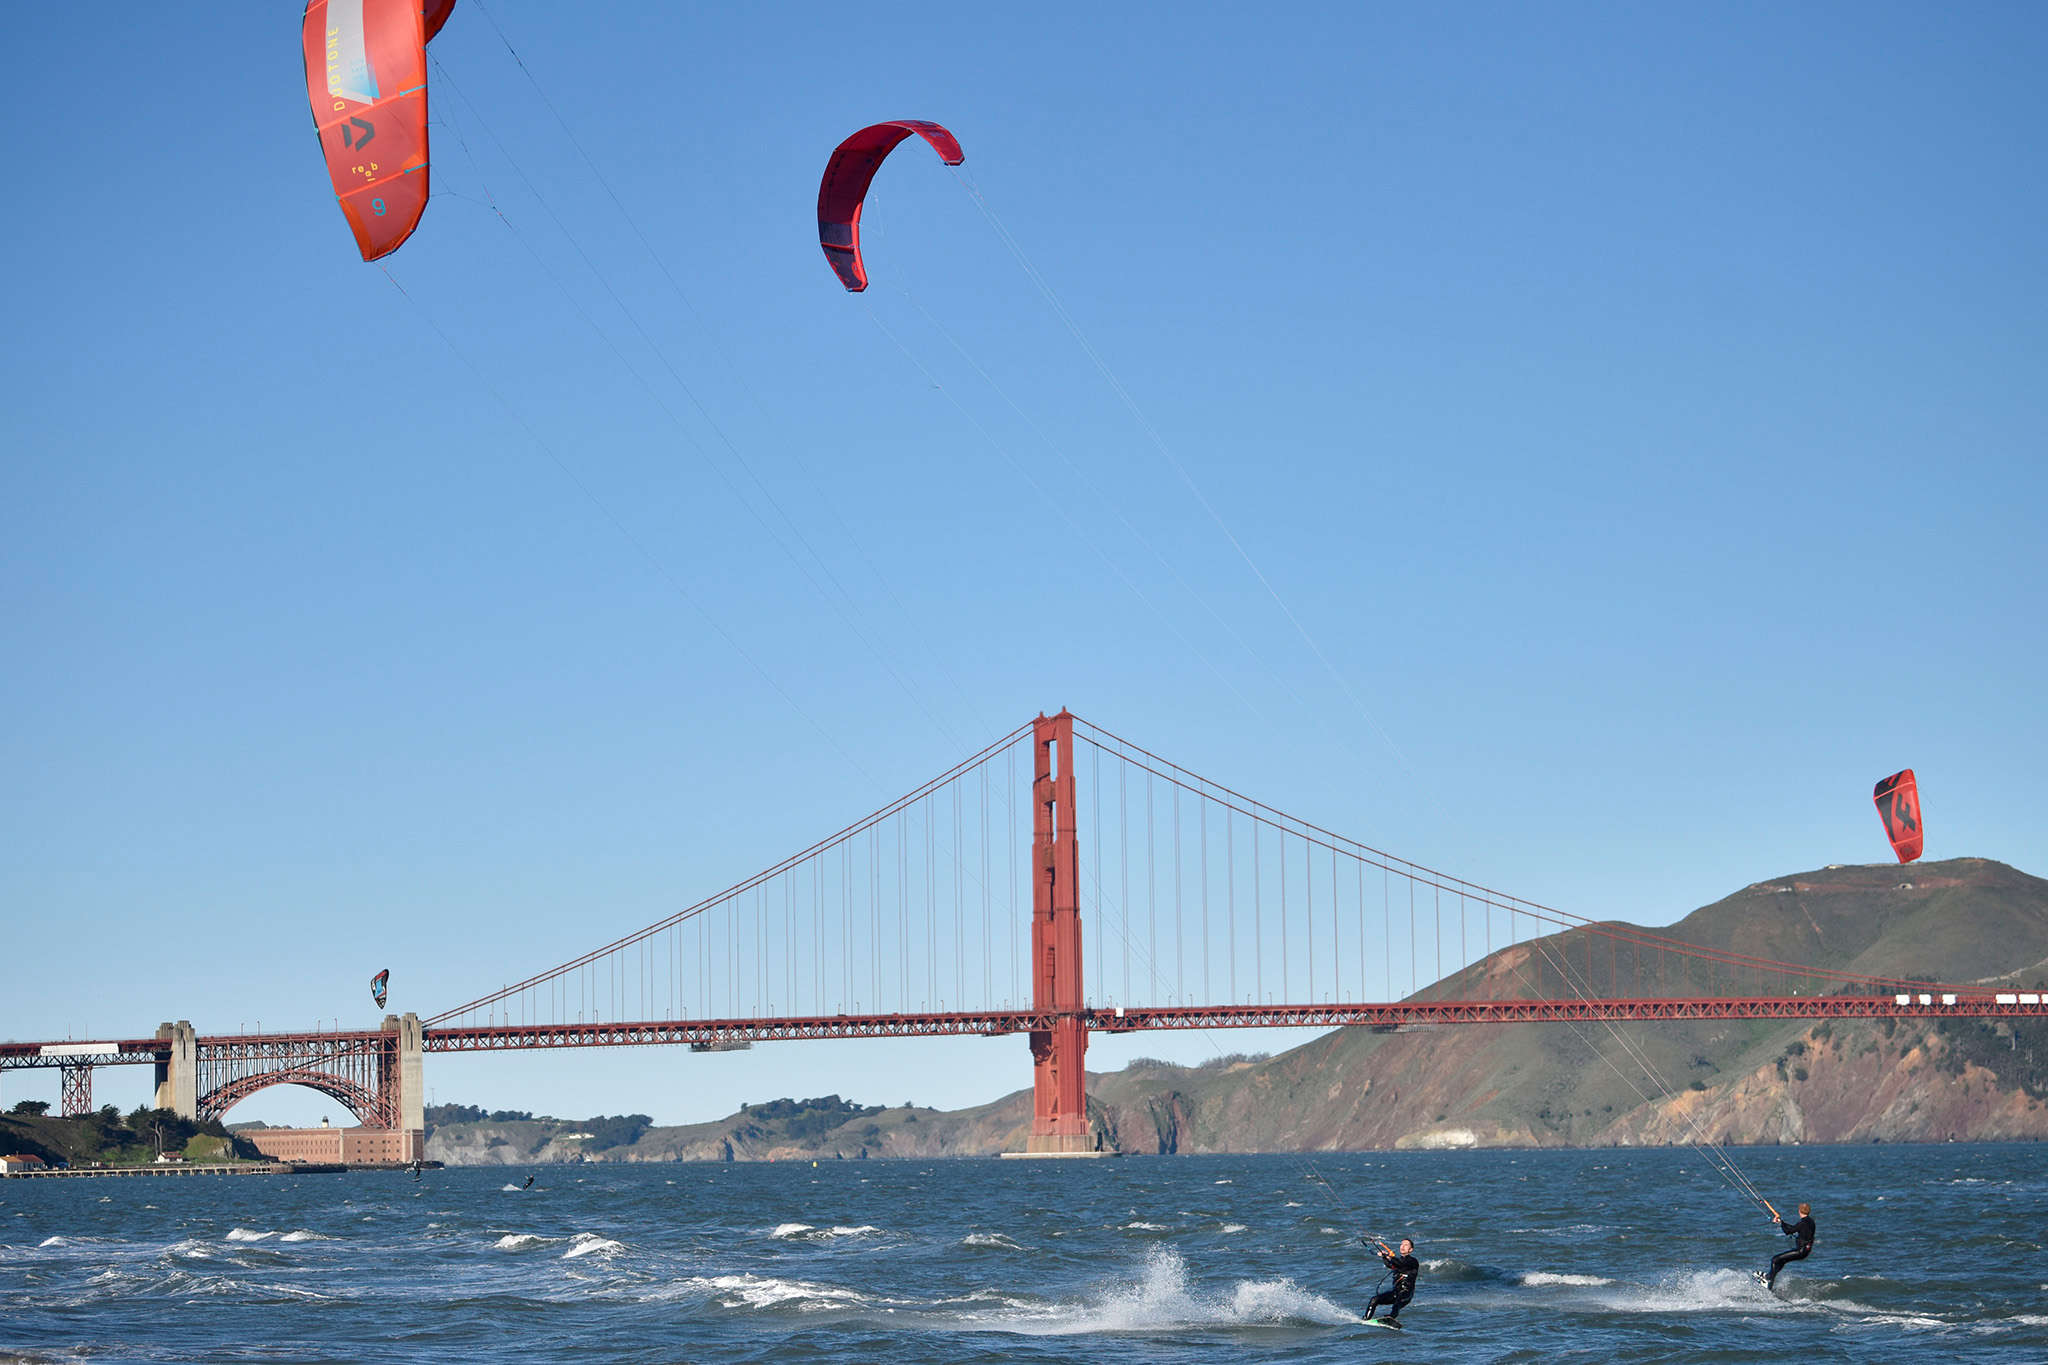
995,1023
497,1037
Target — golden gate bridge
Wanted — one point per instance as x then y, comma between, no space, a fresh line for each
960,909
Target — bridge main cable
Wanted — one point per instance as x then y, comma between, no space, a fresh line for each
1187,780
740,888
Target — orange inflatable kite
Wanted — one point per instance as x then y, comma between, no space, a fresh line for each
366,78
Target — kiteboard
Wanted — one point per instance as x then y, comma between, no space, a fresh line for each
1382,1322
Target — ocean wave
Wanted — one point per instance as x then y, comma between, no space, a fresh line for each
590,1244
1706,1291
1142,1226
520,1241
766,1291
303,1236
810,1233
989,1239
248,1235
1536,1279
1231,1227
1161,1298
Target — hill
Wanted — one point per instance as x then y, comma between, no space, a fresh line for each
106,1138
1968,920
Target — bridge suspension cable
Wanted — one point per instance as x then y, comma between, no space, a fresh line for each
1192,895
851,924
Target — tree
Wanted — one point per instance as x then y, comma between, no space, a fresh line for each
34,1109
163,1127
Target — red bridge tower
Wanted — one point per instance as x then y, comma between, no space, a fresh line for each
1059,1083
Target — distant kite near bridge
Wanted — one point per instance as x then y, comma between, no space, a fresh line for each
380,986
1898,805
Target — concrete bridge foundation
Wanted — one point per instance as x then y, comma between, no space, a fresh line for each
177,1074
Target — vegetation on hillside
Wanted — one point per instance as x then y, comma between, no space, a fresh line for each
109,1138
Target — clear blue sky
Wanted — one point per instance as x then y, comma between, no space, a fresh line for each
1642,409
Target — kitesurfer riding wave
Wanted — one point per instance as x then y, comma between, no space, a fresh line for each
1405,1268
1802,1245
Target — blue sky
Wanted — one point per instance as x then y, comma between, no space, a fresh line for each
1641,411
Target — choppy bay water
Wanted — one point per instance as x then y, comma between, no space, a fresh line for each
1925,1253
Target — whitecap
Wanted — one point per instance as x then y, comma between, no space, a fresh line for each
246,1235
1226,1182
1537,1278
1292,1204
1163,1299
518,1241
810,1233
1231,1227
513,1188
1695,1292
761,1291
303,1236
589,1244
54,1242
1147,1227
989,1239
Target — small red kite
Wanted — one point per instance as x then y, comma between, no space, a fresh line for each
1898,805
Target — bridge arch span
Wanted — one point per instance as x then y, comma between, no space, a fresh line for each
368,1107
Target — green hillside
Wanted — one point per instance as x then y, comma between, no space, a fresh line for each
109,1138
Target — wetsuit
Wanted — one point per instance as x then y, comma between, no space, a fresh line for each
1802,1246
1405,1269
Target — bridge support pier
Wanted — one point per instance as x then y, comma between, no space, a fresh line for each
76,1090
400,1082
1059,1081
177,1070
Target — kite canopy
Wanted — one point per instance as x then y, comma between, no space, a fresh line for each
366,79
379,985
845,187
1898,805
433,14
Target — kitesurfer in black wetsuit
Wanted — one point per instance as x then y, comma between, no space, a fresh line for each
528,1185
1405,1268
1802,1244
